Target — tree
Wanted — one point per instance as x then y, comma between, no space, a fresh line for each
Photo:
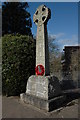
18,63
15,18
54,57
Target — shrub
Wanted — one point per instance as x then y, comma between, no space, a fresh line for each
18,63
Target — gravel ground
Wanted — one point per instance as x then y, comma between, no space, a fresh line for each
13,108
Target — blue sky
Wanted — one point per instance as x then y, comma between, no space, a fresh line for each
63,24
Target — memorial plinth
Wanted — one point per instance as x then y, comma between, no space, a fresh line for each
42,90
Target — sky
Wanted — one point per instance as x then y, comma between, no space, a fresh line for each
63,24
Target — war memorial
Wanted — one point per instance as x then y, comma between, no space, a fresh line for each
42,90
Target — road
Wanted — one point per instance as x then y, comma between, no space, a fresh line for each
13,108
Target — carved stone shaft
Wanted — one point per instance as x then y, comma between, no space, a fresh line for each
41,17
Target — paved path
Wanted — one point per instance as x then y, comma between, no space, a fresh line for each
13,108
0,107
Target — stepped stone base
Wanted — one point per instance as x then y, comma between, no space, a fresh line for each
47,105
43,92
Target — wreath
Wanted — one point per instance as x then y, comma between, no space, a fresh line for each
39,70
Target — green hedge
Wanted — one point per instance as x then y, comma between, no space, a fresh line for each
18,63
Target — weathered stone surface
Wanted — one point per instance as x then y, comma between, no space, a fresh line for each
43,92
45,87
47,105
40,18
41,15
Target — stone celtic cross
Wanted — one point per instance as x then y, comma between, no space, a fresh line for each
42,90
40,18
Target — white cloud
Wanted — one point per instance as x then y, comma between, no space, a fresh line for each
55,36
73,41
62,40
69,41
51,37
59,35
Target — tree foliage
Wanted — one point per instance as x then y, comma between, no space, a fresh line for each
55,64
53,48
18,63
15,18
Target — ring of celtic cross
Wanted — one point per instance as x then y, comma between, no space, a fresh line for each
41,15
